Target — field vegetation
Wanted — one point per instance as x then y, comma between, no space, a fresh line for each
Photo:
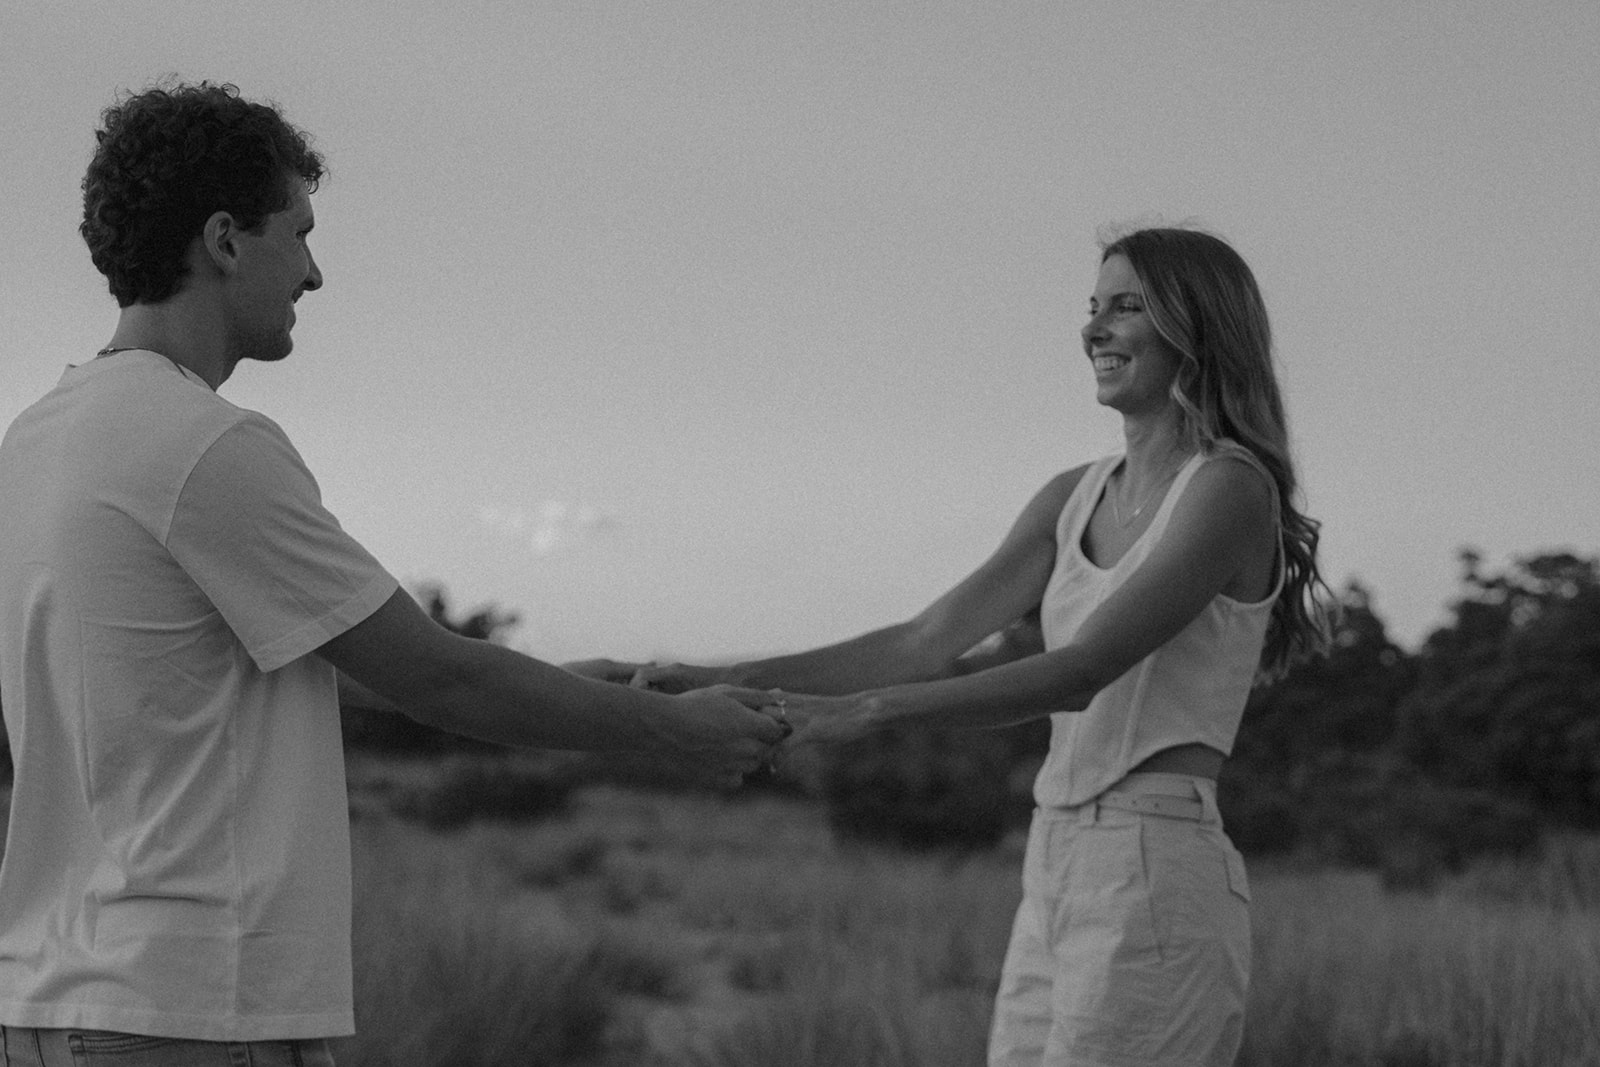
689,930
1423,831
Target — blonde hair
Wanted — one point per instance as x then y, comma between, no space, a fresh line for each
1204,302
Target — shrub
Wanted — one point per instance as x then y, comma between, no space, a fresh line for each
920,788
1415,830
484,789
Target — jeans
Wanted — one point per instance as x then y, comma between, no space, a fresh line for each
29,1047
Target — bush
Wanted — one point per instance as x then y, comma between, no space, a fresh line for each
471,790
1260,814
1415,830
920,788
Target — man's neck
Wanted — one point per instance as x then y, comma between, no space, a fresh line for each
181,332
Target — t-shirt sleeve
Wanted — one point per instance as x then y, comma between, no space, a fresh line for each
250,530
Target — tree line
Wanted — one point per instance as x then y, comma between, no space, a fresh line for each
1479,740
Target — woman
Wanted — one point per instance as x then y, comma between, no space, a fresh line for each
1167,579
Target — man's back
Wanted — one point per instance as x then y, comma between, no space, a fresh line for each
179,793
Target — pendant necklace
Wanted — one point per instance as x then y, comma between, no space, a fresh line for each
1116,512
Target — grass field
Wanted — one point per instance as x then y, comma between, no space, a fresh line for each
695,931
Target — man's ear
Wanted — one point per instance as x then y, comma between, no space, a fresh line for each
219,242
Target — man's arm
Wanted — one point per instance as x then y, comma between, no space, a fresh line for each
483,690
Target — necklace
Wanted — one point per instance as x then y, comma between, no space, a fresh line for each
111,349
1116,512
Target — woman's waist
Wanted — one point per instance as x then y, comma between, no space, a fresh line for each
1193,760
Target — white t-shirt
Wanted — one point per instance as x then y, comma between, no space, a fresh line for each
178,857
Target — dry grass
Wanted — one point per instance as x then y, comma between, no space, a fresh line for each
773,946
702,932
1478,973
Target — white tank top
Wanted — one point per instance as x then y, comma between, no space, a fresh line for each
1191,689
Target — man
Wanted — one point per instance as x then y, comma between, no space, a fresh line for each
174,601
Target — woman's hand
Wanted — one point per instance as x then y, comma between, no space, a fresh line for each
819,720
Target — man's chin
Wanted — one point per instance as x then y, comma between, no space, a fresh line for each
271,353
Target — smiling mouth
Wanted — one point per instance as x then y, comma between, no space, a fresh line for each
1109,363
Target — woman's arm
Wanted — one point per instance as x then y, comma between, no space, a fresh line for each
1021,639
1007,585
1217,530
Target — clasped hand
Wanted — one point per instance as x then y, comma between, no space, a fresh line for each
804,719
809,719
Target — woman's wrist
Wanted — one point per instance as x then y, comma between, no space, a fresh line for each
743,675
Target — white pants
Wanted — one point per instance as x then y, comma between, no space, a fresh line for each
1132,944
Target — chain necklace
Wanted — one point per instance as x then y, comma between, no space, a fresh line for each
1116,512
111,350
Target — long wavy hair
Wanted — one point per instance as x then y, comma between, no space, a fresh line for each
1204,302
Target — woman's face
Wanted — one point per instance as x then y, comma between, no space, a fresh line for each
1133,366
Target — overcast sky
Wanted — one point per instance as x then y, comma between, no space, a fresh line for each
703,329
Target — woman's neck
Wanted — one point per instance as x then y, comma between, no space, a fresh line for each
1155,447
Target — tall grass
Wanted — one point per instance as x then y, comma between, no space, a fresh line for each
1478,973
773,946
701,932
457,964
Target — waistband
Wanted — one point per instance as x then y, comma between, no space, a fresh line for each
46,1046
1174,796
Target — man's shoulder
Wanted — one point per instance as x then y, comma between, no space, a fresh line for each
121,425
158,403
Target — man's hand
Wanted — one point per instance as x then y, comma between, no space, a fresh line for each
720,737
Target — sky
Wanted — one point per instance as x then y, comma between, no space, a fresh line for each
699,330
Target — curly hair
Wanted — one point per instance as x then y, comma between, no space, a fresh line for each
167,158
1204,302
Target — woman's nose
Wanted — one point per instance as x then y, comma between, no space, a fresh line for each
1094,330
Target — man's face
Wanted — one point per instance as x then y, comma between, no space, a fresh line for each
275,267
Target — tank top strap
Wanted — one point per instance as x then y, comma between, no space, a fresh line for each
1075,514
1163,515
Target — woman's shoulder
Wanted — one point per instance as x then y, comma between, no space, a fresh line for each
1226,449
1233,479
1043,511
1059,489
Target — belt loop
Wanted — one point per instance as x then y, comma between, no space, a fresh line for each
1208,801
1088,811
